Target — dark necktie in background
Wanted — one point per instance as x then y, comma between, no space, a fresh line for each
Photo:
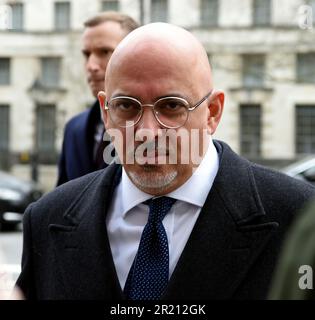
148,275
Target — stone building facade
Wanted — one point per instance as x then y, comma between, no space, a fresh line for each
262,53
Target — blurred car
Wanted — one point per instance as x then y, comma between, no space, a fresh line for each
302,170
15,196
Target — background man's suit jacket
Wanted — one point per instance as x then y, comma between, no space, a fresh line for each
76,157
231,252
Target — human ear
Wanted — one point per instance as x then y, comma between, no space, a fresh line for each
102,100
215,107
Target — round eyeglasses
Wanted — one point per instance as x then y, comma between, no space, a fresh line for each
169,112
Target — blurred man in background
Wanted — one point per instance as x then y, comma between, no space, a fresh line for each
83,145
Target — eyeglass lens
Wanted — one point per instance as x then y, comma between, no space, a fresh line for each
170,112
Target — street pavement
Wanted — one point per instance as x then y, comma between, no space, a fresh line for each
10,258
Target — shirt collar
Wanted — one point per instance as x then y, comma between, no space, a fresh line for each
131,195
196,189
201,182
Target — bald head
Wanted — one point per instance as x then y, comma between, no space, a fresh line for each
159,77
160,50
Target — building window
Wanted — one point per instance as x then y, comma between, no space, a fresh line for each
253,70
50,68
62,16
306,67
110,5
310,3
305,129
4,136
261,12
17,16
159,11
4,127
209,13
45,129
250,130
4,71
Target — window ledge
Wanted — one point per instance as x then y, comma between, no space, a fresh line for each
39,86
251,89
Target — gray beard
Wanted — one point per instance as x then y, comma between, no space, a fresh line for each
153,180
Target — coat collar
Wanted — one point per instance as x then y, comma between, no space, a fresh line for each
235,183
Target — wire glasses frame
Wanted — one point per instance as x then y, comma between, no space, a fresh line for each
130,123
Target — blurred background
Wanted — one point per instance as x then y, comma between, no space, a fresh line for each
262,53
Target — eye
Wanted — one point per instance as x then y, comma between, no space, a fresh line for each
171,105
105,52
86,54
125,105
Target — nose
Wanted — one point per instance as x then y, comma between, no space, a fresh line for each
93,63
149,122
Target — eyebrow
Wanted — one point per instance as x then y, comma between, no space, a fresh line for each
107,48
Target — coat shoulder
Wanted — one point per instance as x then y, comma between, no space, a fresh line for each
63,195
267,181
77,121
282,196
281,183
53,205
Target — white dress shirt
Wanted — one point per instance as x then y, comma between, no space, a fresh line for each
98,136
128,215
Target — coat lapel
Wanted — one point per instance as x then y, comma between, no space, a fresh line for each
229,235
82,244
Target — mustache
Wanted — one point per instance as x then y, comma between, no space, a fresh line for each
94,78
149,147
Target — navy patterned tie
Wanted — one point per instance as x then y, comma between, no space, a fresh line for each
148,275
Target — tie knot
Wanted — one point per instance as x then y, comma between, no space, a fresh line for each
159,207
